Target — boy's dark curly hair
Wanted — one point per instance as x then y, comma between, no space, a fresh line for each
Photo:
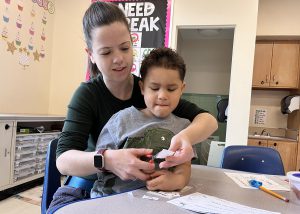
165,58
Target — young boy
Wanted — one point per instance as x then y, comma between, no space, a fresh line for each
162,84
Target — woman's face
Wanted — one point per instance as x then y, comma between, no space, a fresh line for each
112,51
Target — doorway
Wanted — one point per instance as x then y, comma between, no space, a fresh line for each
207,51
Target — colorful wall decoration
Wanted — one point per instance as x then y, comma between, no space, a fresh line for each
23,29
149,22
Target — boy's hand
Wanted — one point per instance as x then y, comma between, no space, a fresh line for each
160,180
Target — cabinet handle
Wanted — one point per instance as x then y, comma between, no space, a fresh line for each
275,144
259,143
6,126
277,83
262,82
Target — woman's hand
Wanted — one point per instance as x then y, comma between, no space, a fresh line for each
126,163
203,125
183,152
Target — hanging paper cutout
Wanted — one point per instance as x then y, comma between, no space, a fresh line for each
51,7
4,33
30,44
44,19
18,39
47,5
43,37
6,15
32,13
24,58
19,22
31,29
20,5
42,52
36,56
11,47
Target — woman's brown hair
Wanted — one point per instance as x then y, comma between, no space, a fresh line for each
97,15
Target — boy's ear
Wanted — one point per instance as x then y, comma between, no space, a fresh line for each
89,52
141,84
182,87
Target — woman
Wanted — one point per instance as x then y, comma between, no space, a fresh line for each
113,88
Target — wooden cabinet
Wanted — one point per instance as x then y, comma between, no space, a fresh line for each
288,153
262,64
276,64
6,132
257,142
286,149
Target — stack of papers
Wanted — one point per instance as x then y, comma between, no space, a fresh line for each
202,203
242,179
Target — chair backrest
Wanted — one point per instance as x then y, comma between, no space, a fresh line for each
52,177
253,159
222,106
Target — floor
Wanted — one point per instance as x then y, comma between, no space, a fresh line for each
15,206
26,202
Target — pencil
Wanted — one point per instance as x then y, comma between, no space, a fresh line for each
274,194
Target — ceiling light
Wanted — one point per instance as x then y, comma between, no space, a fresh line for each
209,32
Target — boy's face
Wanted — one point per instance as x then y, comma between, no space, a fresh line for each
162,89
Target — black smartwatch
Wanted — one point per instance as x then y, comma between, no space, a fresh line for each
99,159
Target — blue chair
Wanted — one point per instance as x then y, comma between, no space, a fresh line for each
52,177
255,159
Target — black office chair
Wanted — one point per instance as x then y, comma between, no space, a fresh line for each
255,159
222,106
52,177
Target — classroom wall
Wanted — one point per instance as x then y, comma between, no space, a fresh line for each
243,16
208,63
25,56
278,18
70,59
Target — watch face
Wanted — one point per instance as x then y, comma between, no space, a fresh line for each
98,163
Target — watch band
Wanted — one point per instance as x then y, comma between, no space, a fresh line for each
100,154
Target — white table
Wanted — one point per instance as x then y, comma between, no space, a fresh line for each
206,180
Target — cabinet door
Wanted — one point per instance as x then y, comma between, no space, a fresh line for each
262,64
257,142
6,131
288,153
285,65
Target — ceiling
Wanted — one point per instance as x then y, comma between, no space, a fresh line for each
206,33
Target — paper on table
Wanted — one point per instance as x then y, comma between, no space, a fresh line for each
168,195
202,203
242,179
